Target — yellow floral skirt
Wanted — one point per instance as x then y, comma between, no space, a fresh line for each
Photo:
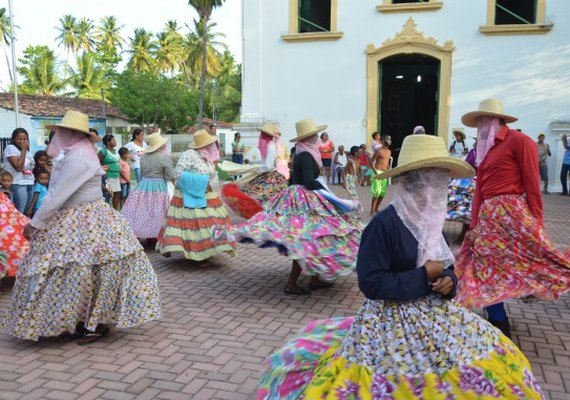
431,348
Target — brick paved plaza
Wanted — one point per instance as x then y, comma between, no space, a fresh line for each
221,319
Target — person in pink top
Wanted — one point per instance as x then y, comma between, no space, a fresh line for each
125,173
326,148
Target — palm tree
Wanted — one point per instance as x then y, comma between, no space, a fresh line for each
194,46
204,9
5,37
87,77
40,72
168,52
142,48
68,33
108,34
85,29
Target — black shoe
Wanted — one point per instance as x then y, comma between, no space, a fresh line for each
298,291
504,326
320,285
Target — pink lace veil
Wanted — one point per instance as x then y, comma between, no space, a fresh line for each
66,140
420,200
210,152
263,143
311,146
487,129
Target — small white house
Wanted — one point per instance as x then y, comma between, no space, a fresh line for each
389,65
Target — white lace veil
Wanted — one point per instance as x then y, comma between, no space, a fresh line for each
420,199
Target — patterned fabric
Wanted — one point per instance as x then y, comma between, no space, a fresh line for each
351,183
511,257
308,228
429,348
146,207
12,241
157,165
460,194
265,186
191,161
85,266
242,204
190,230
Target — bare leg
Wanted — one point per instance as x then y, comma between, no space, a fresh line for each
373,205
292,287
117,200
546,186
378,201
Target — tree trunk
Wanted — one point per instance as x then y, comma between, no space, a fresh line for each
203,74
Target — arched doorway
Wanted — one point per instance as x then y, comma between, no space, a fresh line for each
389,92
408,95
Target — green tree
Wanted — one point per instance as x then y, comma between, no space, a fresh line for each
87,77
40,71
108,42
85,33
6,37
169,52
154,100
194,46
204,9
68,33
141,49
224,92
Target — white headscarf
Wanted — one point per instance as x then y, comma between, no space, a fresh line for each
420,200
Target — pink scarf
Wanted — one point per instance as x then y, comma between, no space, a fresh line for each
66,140
210,152
263,143
487,130
311,146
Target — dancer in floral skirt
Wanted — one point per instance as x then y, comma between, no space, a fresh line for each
306,222
196,206
12,240
507,254
147,205
85,269
409,340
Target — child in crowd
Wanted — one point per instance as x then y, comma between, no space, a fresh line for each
125,174
42,162
364,173
40,191
6,180
350,173
106,189
380,163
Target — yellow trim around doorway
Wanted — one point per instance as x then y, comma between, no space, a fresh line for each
409,41
390,7
539,26
295,36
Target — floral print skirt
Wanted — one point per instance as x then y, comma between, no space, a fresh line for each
265,186
430,348
460,195
146,208
510,257
86,266
12,241
306,227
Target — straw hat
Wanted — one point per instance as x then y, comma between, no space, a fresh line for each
306,128
490,108
155,142
427,151
202,138
460,131
76,121
270,129
541,134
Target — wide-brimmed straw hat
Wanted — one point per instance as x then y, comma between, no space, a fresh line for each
460,131
490,108
155,142
76,121
427,151
306,128
202,138
270,129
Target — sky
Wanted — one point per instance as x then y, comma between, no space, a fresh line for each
37,21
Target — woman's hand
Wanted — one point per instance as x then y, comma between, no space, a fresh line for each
443,285
29,230
209,188
434,269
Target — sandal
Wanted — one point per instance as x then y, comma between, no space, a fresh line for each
298,291
91,337
320,285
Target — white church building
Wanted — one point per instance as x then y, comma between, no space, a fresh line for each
389,65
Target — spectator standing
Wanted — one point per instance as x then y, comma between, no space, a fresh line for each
364,170
42,161
109,158
350,181
125,174
376,142
326,148
340,161
40,191
419,130
380,163
6,181
543,154
237,149
565,166
458,148
137,147
20,164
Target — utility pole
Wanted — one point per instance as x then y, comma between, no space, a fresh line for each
14,72
104,109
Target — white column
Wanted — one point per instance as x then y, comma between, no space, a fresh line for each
252,62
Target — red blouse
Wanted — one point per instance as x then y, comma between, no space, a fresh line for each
510,167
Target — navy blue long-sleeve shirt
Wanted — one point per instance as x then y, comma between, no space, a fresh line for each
305,171
386,264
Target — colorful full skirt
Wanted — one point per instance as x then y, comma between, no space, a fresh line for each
265,186
430,348
12,241
459,198
511,257
146,207
85,266
239,202
190,230
308,228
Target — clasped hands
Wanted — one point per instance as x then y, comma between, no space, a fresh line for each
442,284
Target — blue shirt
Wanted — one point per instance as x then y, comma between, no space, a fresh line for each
566,159
41,190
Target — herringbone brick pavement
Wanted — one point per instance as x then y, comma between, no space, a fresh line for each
221,320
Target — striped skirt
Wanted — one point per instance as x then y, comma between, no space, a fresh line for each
189,230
